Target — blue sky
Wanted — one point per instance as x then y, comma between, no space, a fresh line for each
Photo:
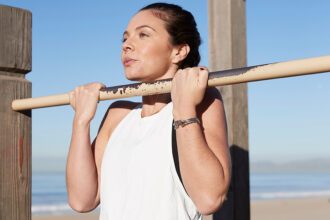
77,42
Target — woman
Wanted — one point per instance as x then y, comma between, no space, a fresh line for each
131,167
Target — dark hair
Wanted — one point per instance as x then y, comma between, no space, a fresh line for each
182,28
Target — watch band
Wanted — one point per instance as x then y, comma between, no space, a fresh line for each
182,123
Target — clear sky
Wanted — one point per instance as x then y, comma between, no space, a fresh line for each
76,42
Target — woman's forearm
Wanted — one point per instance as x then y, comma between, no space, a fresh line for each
203,174
81,173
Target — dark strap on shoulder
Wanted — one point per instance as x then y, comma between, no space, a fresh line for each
176,155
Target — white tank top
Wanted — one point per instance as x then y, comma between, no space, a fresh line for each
138,176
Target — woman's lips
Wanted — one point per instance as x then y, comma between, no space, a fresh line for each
128,61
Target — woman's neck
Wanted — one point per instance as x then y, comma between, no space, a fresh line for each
154,103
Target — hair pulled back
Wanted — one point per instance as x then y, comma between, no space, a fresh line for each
182,28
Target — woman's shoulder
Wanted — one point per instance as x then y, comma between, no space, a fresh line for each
212,93
123,105
116,112
119,109
212,99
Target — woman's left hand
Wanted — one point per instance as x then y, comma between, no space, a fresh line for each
188,89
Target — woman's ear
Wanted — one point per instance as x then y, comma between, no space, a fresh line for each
180,53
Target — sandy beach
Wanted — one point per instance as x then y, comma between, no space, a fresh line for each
76,216
300,209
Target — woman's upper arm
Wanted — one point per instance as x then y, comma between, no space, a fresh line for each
213,120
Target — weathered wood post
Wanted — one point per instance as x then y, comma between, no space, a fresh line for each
227,49
15,127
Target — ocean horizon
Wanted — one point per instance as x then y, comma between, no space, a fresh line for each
49,194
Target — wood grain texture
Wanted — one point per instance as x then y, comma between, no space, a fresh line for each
227,50
15,40
15,127
15,151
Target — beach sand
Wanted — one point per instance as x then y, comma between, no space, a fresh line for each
300,209
75,216
291,209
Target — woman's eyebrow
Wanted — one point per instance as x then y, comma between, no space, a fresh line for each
140,27
145,26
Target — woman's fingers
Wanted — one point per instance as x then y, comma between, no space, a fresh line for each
188,86
84,99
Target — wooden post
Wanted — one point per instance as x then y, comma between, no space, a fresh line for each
15,127
227,50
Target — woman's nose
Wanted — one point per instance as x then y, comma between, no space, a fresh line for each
127,45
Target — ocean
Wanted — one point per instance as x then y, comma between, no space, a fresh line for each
49,195
289,185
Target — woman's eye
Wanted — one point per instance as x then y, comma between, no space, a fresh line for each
123,40
143,35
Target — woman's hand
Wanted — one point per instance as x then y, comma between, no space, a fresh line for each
84,100
188,89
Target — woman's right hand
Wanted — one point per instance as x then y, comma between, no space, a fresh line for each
84,100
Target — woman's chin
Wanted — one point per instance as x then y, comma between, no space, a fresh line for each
142,77
132,77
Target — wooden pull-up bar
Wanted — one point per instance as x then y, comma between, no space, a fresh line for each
218,78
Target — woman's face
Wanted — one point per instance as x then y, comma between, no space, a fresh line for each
147,51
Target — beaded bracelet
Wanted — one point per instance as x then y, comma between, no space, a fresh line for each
182,123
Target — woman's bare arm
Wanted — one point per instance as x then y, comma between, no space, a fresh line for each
204,157
81,172
203,149
84,159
